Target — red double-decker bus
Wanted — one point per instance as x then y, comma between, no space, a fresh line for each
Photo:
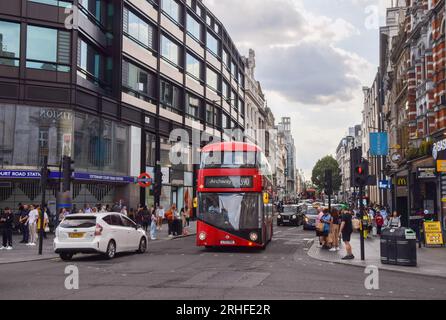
234,196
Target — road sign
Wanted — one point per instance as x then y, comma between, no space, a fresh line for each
433,234
144,180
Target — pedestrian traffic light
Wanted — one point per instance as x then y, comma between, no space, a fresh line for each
328,186
67,173
361,174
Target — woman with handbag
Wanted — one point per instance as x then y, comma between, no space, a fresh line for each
324,228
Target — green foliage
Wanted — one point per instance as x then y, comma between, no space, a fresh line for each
425,149
318,176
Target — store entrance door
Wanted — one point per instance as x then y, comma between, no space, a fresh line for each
403,209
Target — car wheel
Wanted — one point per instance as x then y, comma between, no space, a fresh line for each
66,256
142,246
111,250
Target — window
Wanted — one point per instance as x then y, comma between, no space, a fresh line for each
171,8
170,50
137,81
241,80
193,27
208,20
93,65
211,115
170,96
96,10
193,66
225,121
225,57
212,79
54,55
62,4
139,30
198,10
234,70
234,99
225,90
9,43
216,28
212,44
242,107
193,106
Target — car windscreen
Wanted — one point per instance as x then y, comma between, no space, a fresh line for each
311,212
289,210
230,211
78,222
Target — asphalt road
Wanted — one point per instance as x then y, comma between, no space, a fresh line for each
176,269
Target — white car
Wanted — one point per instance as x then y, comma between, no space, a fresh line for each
105,233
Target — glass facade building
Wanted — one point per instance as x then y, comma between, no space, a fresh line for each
108,91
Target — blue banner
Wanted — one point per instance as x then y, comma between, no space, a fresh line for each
379,144
28,174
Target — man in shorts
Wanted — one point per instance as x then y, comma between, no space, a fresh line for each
346,231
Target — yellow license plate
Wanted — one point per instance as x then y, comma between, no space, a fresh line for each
76,235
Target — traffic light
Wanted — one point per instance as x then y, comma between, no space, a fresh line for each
328,186
67,170
361,174
44,176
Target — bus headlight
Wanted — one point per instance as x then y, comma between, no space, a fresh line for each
279,216
294,217
253,236
202,236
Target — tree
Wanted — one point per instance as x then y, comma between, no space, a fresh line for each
318,175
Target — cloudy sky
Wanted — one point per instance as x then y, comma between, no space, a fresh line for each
313,57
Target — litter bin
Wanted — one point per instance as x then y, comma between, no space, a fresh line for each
399,247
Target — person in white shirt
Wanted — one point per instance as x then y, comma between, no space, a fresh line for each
160,215
32,225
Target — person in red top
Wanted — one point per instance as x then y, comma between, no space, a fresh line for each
379,219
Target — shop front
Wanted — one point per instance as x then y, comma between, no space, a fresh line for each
439,156
100,149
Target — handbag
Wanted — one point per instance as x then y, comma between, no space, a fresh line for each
320,227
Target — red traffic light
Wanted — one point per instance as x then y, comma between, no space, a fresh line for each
359,170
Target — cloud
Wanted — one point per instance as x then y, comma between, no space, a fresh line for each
306,63
309,73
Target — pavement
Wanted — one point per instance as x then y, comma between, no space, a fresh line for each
431,261
24,253
179,270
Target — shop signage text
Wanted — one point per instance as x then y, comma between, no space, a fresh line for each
426,173
438,147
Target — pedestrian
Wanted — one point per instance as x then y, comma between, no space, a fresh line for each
325,220
6,221
32,225
183,215
23,221
188,213
145,218
379,220
346,231
124,211
45,222
170,219
318,221
177,226
161,216
153,222
334,230
394,221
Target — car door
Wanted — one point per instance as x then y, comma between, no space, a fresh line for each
119,233
133,236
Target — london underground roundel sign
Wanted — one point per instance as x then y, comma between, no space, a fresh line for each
144,180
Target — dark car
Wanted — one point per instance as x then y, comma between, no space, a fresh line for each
290,215
310,217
